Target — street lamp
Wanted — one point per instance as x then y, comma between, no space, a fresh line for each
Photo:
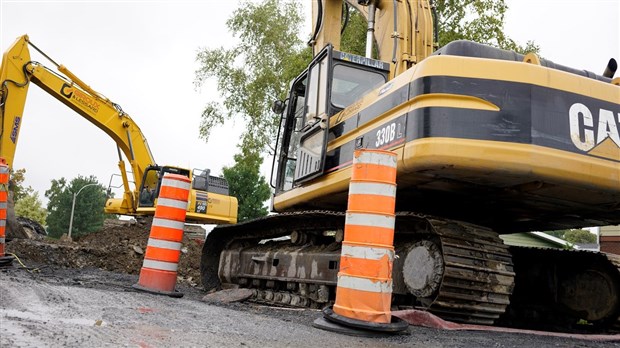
73,206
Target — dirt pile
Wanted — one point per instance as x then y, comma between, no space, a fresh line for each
118,247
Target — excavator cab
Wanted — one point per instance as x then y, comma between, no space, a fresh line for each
151,182
333,81
208,198
148,187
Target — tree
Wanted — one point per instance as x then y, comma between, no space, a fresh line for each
88,216
269,54
476,20
257,70
574,236
30,206
353,38
580,237
246,183
16,184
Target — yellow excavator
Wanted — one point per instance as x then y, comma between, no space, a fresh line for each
489,142
209,200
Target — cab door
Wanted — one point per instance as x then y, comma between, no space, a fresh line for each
314,131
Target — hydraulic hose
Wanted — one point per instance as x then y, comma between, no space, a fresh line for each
346,17
319,23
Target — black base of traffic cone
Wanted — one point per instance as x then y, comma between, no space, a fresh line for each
174,293
6,261
354,327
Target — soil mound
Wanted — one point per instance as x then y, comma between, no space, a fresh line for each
118,247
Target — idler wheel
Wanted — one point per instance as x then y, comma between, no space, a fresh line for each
423,268
575,292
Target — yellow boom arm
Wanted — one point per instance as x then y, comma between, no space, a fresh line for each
208,202
403,29
18,70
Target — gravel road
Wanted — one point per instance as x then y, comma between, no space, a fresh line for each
58,307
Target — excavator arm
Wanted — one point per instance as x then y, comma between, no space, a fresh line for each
14,83
402,30
17,71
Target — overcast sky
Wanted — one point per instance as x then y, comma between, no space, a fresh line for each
141,55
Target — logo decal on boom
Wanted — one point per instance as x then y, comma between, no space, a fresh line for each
598,134
78,96
16,122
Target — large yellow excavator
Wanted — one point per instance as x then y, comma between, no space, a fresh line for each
209,201
488,142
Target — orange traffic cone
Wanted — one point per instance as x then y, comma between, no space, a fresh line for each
4,195
364,290
159,270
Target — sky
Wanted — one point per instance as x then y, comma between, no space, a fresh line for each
141,55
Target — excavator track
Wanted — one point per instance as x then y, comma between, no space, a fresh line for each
251,232
558,290
458,271
469,268
477,276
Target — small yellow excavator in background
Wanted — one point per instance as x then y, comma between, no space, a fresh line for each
209,201
488,141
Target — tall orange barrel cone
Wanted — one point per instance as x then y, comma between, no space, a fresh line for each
159,270
364,290
4,198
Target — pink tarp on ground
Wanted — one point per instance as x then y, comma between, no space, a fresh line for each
426,319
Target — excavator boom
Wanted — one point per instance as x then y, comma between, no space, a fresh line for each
402,30
18,71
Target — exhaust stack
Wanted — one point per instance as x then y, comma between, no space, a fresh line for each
611,68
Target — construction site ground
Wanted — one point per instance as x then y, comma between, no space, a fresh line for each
79,293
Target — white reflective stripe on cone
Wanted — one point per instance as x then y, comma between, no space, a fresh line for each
4,169
2,223
3,205
364,284
382,159
2,240
160,265
372,188
175,183
165,244
368,253
177,225
374,220
173,203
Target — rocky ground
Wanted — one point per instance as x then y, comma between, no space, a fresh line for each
78,293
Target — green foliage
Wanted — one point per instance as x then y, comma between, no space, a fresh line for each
88,216
246,183
574,236
256,70
476,20
353,39
30,206
579,237
16,184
